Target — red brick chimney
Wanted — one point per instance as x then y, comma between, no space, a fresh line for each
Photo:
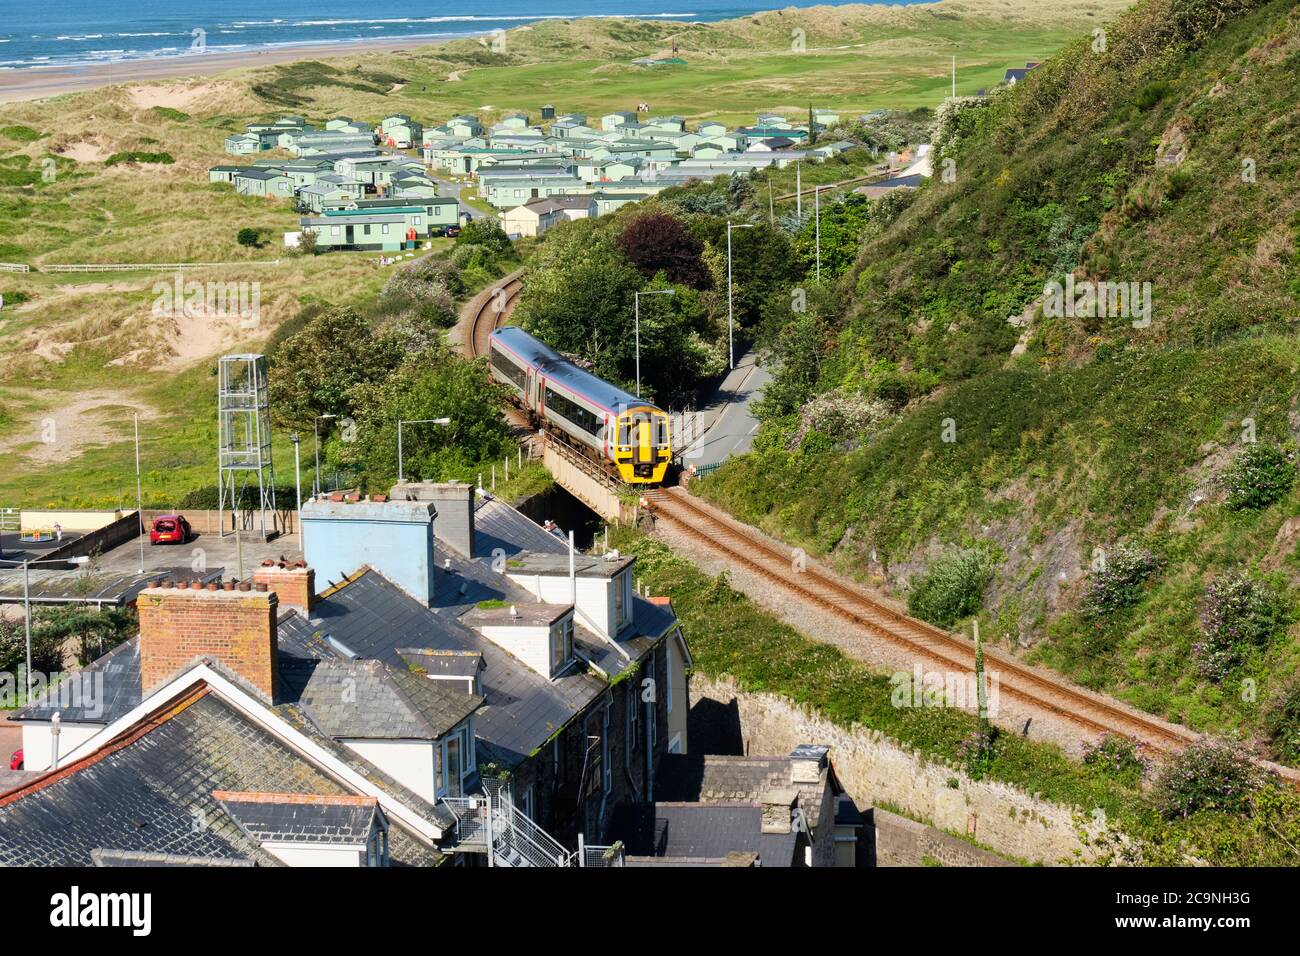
294,583
234,627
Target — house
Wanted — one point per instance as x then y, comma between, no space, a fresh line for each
536,216
223,174
373,721
388,229
271,183
770,145
1013,75
241,144
608,201
616,119
743,811
506,192
826,118
438,211
314,198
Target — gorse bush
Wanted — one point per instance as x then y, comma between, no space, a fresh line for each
1208,775
1260,475
952,587
1240,613
1117,580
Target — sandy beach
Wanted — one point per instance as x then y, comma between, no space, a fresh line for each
38,83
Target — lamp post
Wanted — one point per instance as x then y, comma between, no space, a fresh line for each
297,469
315,481
636,309
412,421
817,227
27,601
731,351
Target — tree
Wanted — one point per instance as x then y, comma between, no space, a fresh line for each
578,299
433,384
485,232
314,370
249,237
657,241
843,222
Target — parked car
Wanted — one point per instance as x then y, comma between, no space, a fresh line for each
16,759
452,232
170,529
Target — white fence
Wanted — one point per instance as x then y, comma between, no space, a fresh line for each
14,267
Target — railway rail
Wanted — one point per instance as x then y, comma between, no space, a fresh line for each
488,310
1038,690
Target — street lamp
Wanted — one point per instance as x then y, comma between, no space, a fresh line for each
636,309
817,219
412,421
27,601
315,481
297,469
731,351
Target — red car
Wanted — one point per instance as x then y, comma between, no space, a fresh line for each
169,529
16,759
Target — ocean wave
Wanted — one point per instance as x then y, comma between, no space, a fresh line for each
466,18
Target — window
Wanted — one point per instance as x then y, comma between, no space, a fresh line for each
527,803
334,230
607,772
508,368
561,644
451,772
620,601
417,220
557,762
633,724
385,228
668,680
571,411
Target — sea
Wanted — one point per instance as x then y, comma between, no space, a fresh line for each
57,34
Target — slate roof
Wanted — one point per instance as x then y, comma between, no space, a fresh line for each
100,693
291,818
695,830
152,792
53,586
371,700
140,858
709,778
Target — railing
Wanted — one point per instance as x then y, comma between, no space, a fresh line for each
600,856
14,267
10,519
516,839
150,266
471,819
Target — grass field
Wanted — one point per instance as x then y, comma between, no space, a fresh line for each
84,352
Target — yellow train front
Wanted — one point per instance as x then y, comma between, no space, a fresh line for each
631,437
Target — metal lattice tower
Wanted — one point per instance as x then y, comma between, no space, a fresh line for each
244,443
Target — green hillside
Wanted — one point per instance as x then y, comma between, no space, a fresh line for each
1110,497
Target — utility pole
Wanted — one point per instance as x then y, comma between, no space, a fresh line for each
139,497
297,469
817,228
954,77
798,189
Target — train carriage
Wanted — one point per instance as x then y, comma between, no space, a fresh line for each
629,434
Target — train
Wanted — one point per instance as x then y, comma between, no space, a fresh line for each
631,436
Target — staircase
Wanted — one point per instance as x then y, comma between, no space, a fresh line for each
491,823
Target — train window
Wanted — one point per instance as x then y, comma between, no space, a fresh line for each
579,416
661,431
508,368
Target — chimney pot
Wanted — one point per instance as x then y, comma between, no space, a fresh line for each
168,583
245,586
259,586
212,585
228,585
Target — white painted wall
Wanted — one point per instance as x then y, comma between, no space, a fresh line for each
595,598
38,742
532,645
409,762
298,854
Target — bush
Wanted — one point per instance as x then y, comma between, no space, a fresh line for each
1281,722
485,232
135,156
1208,775
952,588
1240,613
1258,476
249,237
1117,757
1117,583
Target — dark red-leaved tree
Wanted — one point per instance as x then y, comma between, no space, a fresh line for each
657,242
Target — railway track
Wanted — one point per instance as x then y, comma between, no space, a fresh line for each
488,310
1039,691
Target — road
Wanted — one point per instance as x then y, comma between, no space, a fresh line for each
728,423
448,188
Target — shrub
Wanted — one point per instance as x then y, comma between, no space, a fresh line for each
1259,475
249,237
951,588
1281,722
1208,775
1117,757
1240,613
841,416
485,232
135,156
23,134
1117,582
978,750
